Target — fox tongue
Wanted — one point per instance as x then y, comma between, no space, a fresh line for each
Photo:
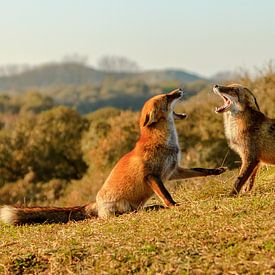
225,106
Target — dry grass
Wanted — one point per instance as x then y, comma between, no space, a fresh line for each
208,233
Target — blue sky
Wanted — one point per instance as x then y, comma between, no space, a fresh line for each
201,36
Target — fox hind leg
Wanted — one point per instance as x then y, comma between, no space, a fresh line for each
111,209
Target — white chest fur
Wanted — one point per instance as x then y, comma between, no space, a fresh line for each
232,131
173,137
230,126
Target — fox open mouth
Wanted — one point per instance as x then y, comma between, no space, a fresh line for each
179,116
225,106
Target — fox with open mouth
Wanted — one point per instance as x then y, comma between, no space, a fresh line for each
249,132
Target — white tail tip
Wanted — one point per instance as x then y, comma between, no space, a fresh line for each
8,214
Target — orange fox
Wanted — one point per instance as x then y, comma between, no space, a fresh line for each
137,175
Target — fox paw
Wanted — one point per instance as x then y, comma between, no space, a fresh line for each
233,193
172,204
218,171
247,188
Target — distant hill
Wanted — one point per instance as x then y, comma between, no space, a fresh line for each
57,74
52,75
87,89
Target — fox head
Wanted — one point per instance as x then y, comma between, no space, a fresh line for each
237,98
159,108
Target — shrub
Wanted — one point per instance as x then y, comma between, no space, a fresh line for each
106,141
47,144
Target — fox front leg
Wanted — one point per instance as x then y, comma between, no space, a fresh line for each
159,189
184,173
245,172
251,180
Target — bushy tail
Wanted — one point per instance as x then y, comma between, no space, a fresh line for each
28,215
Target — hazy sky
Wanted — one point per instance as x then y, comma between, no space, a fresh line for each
203,36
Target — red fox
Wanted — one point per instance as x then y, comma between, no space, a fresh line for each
248,131
137,175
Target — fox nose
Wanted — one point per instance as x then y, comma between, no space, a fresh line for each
180,91
216,86
176,92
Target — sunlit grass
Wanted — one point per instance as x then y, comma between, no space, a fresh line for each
209,232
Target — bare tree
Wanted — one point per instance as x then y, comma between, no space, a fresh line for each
118,64
14,69
75,59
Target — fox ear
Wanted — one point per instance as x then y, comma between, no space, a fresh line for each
150,118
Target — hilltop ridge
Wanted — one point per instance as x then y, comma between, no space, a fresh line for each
54,74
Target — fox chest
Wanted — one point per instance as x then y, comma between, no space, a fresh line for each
173,145
233,134
161,161
170,162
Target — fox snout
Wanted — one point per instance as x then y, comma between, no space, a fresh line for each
236,98
178,93
216,86
160,108
216,89
223,89
225,93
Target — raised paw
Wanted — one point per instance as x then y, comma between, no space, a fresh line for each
218,171
174,205
245,189
171,204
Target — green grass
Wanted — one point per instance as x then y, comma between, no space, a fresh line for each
209,233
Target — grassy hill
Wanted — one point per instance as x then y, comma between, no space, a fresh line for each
209,233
